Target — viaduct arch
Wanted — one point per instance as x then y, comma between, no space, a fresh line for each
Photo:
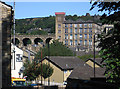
32,40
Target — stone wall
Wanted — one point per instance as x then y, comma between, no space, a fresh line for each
5,33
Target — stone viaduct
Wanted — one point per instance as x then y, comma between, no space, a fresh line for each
33,40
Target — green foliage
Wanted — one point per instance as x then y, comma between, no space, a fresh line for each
55,49
110,46
23,25
47,71
33,70
110,41
87,56
38,32
30,70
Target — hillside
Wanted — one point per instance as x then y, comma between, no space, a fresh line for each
47,24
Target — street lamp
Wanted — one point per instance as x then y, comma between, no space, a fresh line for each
48,62
94,55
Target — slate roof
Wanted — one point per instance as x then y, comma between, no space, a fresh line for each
86,72
97,61
69,62
81,70
77,21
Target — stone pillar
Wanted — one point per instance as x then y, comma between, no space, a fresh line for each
0,46
32,41
6,45
21,43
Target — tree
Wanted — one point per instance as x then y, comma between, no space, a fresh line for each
110,41
56,49
47,71
33,70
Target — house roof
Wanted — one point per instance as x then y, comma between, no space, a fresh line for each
86,72
98,61
5,4
65,63
77,21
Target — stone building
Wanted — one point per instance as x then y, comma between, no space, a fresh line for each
5,45
77,34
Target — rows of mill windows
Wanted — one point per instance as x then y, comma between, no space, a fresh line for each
78,36
80,30
80,42
77,25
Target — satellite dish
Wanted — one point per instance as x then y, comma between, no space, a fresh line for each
22,68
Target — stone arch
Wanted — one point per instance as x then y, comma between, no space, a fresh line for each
26,41
17,41
38,40
49,40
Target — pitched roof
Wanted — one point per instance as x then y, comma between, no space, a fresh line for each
77,21
98,61
86,72
6,4
66,62
81,70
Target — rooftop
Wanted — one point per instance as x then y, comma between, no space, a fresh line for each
66,62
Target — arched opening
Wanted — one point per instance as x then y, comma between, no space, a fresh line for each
26,41
49,40
16,41
38,40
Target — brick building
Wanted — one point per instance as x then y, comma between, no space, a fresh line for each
77,34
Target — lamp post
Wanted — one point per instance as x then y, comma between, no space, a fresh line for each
48,62
14,34
41,66
94,56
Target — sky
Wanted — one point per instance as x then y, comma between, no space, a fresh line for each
44,9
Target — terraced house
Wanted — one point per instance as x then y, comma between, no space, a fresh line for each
79,33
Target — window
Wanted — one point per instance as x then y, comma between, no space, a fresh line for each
90,36
59,18
66,42
70,25
85,25
65,71
80,25
59,37
80,42
66,36
75,42
71,42
90,30
90,42
85,42
18,57
75,25
71,36
59,31
85,36
66,30
66,25
85,30
90,25
59,25
75,36
75,30
80,30
80,36
70,30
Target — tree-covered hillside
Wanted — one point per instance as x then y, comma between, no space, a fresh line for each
47,24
